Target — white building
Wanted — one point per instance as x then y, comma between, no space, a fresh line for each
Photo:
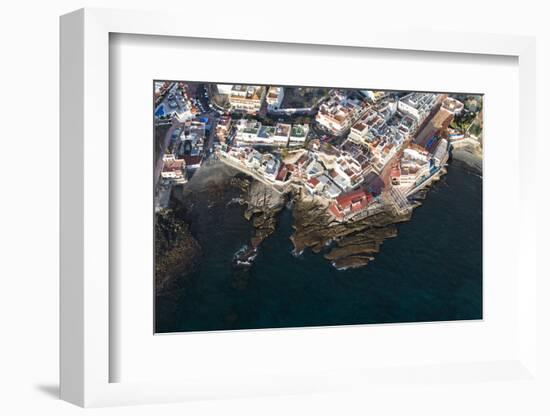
173,169
332,191
298,134
247,98
341,179
441,153
314,168
415,154
272,168
340,112
348,172
322,184
252,133
452,105
224,88
417,105
371,125
281,134
274,97
254,160
383,153
359,132
247,132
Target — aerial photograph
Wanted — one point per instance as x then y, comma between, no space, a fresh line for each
296,206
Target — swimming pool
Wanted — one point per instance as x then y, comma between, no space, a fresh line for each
160,112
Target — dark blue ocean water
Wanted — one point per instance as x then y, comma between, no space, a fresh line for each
431,271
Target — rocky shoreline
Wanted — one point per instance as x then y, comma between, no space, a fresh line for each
350,244
177,252
470,155
346,245
263,205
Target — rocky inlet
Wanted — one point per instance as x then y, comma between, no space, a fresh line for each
263,204
347,244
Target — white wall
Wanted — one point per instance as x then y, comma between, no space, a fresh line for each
29,209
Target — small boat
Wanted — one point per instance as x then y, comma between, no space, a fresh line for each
245,256
239,201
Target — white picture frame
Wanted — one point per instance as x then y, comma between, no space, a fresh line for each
85,265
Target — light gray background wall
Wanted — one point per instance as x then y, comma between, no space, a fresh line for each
29,178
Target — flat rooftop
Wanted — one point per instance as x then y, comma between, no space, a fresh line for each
433,126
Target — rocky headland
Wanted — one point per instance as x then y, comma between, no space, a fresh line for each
263,204
347,244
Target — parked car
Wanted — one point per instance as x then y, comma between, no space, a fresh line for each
176,133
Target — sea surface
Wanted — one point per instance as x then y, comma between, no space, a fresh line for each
432,271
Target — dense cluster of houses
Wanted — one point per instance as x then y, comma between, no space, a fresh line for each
377,131
340,112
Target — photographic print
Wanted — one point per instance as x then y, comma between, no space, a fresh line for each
295,206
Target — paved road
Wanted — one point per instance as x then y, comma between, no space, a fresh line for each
212,135
164,146
213,115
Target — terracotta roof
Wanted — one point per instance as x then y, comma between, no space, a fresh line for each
352,197
192,160
303,159
282,173
335,211
173,165
314,181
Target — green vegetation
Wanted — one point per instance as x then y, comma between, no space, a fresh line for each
302,97
476,128
463,121
471,120
473,104
303,120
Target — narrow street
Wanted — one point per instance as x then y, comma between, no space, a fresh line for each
164,145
